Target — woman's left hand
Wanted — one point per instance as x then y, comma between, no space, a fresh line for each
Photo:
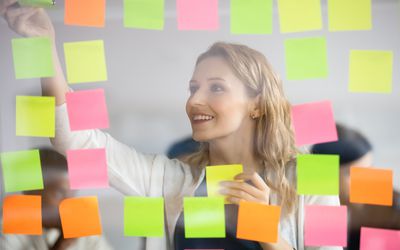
237,191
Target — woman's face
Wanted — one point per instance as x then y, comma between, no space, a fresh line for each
219,105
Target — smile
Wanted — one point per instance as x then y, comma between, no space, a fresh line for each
199,118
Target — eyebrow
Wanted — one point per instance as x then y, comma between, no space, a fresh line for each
209,79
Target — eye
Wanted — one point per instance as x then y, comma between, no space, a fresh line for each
216,87
193,89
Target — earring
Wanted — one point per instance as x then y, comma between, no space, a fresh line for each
253,116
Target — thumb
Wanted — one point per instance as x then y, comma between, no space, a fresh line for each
5,4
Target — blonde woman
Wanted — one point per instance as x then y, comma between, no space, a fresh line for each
237,110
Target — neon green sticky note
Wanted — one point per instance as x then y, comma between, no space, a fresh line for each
299,15
32,57
216,174
370,71
251,16
204,217
35,116
85,61
144,14
306,58
349,15
318,174
22,171
36,3
144,216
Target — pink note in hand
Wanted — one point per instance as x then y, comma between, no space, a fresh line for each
382,239
87,109
325,226
197,14
87,168
314,123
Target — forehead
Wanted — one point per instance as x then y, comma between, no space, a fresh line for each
213,67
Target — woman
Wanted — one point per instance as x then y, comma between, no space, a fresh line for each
238,111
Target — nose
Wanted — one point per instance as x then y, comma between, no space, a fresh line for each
198,98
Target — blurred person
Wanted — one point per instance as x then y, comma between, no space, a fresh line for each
354,149
56,189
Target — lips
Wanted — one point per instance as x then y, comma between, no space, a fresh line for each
200,118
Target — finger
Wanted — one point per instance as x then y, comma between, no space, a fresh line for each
255,179
5,4
242,186
239,194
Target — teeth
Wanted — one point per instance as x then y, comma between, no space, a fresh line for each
202,117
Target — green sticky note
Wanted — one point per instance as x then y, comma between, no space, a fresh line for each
349,15
251,16
318,174
204,217
32,57
299,15
36,3
144,216
144,14
306,58
85,61
370,71
35,116
216,174
22,171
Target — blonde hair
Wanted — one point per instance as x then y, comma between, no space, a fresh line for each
274,137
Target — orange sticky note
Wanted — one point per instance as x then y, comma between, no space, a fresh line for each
258,222
85,13
22,214
80,217
371,186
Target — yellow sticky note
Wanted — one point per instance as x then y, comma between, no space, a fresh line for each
349,15
370,71
299,15
216,174
85,61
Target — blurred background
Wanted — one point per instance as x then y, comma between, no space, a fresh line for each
149,71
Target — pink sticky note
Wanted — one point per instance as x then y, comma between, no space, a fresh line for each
87,109
314,123
197,14
325,226
382,239
87,168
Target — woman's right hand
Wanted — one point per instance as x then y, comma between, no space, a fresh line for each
28,21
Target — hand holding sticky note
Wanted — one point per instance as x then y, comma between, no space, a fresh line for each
216,174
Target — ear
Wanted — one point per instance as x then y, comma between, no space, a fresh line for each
255,111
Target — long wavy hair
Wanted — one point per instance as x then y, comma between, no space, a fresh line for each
274,137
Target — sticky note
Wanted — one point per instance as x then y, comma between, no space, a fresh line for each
299,15
318,174
32,57
80,217
22,171
314,123
197,214
251,16
144,14
325,226
370,71
349,15
87,168
85,13
197,14
371,186
258,222
85,61
87,109
377,238
144,216
35,116
22,214
216,174
36,3
306,58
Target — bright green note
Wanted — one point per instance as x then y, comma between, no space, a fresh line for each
144,14
144,216
36,3
22,171
251,16
216,174
32,57
35,116
85,61
349,15
204,217
318,174
371,71
306,58
299,15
